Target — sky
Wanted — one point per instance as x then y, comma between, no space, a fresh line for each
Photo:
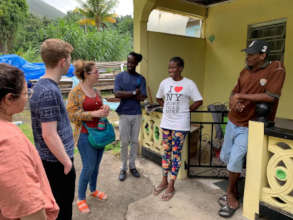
125,7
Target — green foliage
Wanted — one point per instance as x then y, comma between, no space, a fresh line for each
12,13
115,147
111,44
97,12
31,54
107,45
125,24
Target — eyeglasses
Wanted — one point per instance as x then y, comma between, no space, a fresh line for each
94,72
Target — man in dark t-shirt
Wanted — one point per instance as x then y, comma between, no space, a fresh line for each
51,126
259,81
130,87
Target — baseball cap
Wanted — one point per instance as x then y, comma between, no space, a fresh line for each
257,46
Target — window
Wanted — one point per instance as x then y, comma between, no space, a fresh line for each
171,23
274,33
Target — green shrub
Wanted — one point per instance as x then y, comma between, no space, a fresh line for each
89,44
115,147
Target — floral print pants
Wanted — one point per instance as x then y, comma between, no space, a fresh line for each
172,143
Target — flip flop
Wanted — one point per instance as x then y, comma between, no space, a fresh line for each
158,189
226,211
222,201
166,196
99,195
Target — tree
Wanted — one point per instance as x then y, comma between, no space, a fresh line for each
12,13
97,12
125,24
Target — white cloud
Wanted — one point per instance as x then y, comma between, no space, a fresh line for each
125,7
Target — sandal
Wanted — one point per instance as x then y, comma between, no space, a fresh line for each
83,206
222,201
158,189
166,196
99,195
226,211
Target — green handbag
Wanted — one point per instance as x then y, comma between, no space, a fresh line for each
101,135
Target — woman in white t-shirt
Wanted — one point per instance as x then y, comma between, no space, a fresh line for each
175,94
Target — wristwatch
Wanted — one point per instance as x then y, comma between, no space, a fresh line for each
134,92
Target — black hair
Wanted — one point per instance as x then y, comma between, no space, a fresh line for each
178,60
11,81
137,56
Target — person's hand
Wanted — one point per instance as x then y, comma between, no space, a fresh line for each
137,92
234,99
67,166
99,113
106,109
239,107
236,103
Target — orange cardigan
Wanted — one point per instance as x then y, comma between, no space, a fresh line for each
75,110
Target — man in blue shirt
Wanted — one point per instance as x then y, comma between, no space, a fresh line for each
130,87
51,126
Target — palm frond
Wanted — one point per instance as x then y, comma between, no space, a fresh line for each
87,21
109,19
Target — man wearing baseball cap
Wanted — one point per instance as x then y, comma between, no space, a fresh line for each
260,81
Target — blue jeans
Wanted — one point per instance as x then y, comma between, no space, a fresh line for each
234,147
91,159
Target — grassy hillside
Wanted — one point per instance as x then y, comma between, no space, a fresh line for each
40,8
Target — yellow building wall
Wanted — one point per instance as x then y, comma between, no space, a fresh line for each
229,23
192,50
217,72
158,48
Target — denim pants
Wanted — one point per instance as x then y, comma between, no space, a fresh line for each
91,159
234,147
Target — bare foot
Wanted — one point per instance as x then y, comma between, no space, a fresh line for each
158,189
232,201
168,194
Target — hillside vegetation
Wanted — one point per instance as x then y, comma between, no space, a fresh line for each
110,43
40,8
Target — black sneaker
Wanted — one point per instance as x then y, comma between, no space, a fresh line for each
122,175
134,172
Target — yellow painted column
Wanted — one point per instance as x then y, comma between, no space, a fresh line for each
256,164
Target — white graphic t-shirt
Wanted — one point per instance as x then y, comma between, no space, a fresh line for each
177,96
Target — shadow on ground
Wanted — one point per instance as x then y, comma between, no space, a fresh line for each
120,194
195,199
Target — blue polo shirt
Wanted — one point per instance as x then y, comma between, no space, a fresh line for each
125,81
47,105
